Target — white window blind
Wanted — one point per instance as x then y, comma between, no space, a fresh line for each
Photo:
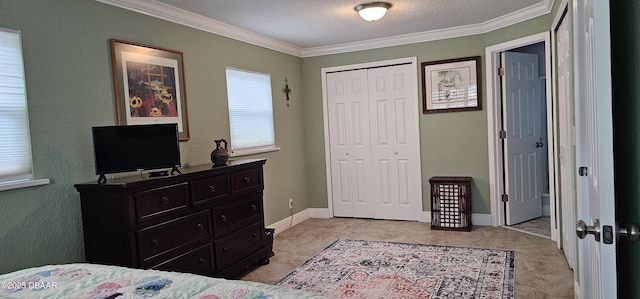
15,146
250,111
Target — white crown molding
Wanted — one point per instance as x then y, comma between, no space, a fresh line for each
524,14
397,40
186,18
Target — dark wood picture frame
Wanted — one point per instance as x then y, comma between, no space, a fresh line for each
451,85
149,85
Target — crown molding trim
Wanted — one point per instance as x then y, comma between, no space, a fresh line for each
524,14
172,14
179,16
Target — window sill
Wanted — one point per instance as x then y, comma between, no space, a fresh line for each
23,184
251,151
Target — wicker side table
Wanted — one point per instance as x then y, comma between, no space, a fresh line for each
451,203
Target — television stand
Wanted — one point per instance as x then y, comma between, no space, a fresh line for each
207,221
154,174
102,179
175,169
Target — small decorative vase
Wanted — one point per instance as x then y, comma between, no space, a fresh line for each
219,155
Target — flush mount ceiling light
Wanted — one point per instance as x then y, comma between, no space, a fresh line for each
372,11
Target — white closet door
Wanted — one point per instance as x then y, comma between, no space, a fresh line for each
374,143
566,141
351,171
395,141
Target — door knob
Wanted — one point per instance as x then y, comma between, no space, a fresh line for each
631,232
582,229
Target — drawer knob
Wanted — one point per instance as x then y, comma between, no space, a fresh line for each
247,180
255,235
153,242
164,200
201,261
225,249
223,218
254,207
212,189
199,226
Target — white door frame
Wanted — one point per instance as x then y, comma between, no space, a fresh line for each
327,152
494,123
568,204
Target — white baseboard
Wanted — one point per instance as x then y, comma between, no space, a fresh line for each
546,210
426,216
481,219
290,221
319,213
287,223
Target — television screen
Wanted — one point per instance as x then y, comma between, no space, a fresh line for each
139,147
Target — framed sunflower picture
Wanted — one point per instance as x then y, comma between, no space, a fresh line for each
149,85
451,85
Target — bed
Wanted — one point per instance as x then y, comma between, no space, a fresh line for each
100,281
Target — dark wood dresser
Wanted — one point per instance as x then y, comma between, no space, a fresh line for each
208,220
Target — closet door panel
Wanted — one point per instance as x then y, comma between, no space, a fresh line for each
350,149
396,140
374,143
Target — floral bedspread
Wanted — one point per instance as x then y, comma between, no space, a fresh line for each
99,281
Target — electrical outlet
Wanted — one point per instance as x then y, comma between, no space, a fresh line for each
290,203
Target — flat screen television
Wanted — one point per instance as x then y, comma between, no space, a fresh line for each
136,148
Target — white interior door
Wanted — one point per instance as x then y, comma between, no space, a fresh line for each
395,141
566,140
351,168
524,145
374,143
594,152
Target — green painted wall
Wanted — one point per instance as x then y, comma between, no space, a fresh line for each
70,89
625,65
452,144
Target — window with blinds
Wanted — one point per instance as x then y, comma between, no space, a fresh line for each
250,112
15,147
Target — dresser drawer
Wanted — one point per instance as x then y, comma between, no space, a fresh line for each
198,261
207,190
246,181
238,245
236,214
174,234
160,201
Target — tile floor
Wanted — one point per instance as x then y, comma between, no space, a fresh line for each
540,226
541,268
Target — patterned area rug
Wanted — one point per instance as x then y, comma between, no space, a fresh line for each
368,269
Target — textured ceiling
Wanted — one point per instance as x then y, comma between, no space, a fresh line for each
320,23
